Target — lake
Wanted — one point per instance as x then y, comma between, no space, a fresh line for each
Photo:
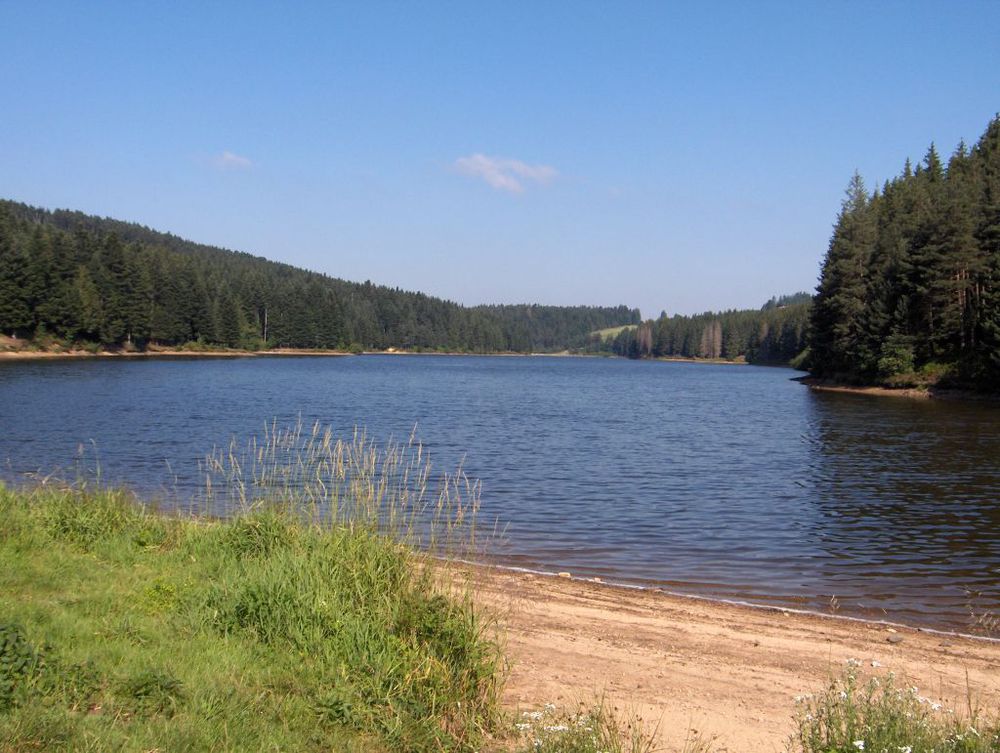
725,481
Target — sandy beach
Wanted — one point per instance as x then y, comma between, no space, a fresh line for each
730,672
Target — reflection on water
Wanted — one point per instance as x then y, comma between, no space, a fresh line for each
726,481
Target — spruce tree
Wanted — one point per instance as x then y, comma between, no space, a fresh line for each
838,342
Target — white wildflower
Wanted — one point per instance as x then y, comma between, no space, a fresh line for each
859,744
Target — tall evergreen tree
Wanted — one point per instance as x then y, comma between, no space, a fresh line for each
931,276
838,342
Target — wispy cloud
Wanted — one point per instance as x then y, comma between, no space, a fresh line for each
230,161
504,174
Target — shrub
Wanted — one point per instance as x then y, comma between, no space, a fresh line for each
895,358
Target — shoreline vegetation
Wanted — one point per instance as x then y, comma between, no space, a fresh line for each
30,353
314,597
908,293
925,392
20,350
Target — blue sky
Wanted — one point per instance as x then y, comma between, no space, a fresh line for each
677,156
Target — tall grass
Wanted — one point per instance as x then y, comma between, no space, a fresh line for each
305,619
352,482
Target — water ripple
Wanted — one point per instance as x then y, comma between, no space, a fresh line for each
732,482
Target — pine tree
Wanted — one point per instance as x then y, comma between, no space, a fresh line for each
987,342
15,307
838,341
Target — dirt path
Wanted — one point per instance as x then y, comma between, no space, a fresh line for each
730,672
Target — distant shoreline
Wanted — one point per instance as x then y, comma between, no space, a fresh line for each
31,354
916,393
38,355
714,361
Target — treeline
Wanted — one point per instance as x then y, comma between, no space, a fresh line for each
775,334
80,278
911,280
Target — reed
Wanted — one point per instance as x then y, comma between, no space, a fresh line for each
352,483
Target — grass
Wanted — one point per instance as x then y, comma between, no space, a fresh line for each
876,715
293,624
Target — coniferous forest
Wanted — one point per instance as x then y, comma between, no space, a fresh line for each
910,287
909,293
773,334
85,279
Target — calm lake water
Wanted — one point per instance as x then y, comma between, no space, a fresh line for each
726,481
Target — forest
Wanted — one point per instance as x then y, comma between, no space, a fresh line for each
909,293
774,334
85,279
910,287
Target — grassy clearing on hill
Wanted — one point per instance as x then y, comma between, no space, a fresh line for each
611,332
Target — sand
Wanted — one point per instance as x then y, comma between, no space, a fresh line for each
730,672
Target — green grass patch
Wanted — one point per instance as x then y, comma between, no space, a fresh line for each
123,629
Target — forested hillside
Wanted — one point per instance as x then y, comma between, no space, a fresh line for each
774,334
910,287
87,279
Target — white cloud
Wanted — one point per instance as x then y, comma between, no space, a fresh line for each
504,174
229,161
